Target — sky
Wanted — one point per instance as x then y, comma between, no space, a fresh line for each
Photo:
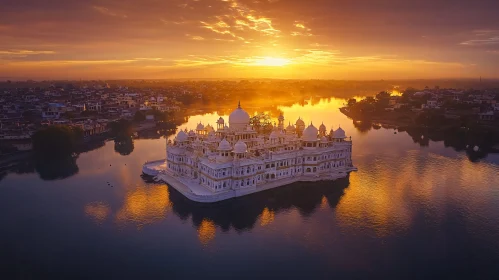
289,39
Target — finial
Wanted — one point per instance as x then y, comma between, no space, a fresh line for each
239,104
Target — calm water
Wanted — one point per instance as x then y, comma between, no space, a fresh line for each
410,212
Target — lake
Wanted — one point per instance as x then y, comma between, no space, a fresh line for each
409,212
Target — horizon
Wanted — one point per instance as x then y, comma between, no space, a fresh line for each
224,39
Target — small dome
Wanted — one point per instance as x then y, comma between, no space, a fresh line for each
240,147
221,120
209,128
181,136
226,127
324,139
281,117
339,133
300,122
290,128
200,126
274,135
310,133
224,145
239,116
322,127
192,133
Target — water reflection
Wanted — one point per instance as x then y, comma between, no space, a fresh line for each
206,231
98,211
123,146
244,212
55,169
144,205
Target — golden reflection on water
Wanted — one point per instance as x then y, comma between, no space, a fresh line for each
324,202
385,193
267,217
206,231
145,205
97,211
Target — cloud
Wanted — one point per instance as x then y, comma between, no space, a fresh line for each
24,52
486,37
107,12
195,38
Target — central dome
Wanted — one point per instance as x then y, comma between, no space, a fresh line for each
310,133
239,118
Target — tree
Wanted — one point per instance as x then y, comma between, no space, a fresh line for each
88,113
383,95
139,116
68,115
261,123
56,141
121,129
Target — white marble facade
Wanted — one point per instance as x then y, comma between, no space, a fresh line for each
236,157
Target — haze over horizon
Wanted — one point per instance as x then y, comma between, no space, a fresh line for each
286,39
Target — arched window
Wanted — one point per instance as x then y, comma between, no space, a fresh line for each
308,170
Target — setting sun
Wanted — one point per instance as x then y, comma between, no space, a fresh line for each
272,61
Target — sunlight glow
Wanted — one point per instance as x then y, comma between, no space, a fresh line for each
272,61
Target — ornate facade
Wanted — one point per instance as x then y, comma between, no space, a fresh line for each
236,158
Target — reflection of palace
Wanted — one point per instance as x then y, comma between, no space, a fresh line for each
210,165
260,209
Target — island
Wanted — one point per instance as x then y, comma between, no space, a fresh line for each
210,165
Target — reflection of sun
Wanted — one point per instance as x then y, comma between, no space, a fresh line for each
97,210
206,231
267,217
145,205
272,61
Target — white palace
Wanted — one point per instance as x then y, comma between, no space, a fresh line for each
209,164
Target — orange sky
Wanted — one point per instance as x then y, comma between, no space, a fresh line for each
324,39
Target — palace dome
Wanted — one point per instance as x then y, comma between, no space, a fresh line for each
224,145
181,136
200,126
240,147
209,128
339,133
239,117
310,133
300,122
220,120
322,127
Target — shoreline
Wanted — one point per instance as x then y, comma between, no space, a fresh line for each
197,193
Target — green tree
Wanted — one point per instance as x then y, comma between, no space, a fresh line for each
56,141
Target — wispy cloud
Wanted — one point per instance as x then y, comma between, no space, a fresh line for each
108,12
302,30
483,37
194,37
24,52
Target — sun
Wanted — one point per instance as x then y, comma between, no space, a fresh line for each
272,61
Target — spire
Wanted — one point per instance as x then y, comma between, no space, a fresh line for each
239,105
